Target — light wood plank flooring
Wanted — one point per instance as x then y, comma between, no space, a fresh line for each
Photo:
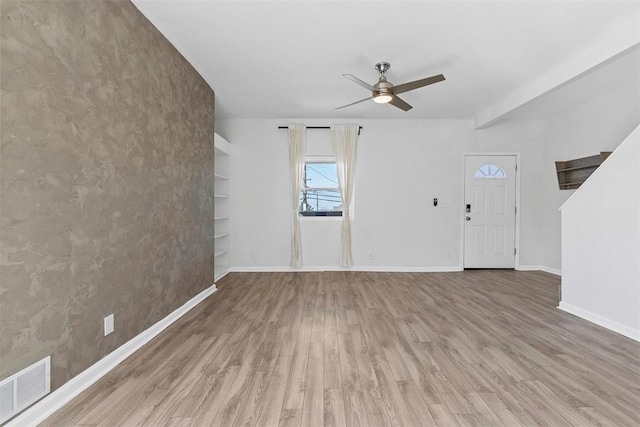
373,349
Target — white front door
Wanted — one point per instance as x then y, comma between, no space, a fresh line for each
489,211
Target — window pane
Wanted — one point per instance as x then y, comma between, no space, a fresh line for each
490,170
321,195
321,175
320,201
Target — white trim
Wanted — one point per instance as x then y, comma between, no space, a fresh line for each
395,269
544,268
63,395
222,145
551,270
389,269
303,218
516,260
222,274
605,322
529,268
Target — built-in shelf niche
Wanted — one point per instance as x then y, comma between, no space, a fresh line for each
572,173
222,216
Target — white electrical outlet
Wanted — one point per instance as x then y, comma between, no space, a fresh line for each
370,255
109,324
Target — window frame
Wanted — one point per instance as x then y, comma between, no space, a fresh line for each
490,176
321,214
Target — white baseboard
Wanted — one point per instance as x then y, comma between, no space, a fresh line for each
285,269
56,400
394,269
528,268
551,270
605,322
539,268
222,274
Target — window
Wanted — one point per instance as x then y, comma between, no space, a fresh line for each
491,171
320,195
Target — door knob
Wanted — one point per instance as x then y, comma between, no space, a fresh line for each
468,218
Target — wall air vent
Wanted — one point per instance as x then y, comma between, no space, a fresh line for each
24,388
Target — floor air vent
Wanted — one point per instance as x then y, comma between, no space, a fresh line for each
24,388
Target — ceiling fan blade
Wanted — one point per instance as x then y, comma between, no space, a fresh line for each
359,82
354,103
397,102
406,87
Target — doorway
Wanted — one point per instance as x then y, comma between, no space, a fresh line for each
490,211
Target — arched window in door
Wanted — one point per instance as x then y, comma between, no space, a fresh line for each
490,171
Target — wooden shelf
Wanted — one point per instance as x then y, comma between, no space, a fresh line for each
573,173
570,185
576,168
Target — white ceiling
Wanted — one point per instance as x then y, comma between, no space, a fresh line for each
623,70
272,59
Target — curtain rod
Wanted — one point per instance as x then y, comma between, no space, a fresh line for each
318,127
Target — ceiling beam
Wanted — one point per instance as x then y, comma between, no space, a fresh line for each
625,35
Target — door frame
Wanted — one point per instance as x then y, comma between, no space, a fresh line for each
516,264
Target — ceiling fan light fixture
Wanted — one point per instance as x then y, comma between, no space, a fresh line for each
384,92
382,98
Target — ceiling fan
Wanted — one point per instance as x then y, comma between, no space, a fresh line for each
385,92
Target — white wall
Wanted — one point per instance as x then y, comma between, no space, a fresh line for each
592,125
404,164
401,166
588,126
601,244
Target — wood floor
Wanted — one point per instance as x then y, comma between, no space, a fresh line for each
373,349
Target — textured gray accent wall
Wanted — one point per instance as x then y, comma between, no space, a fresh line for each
106,181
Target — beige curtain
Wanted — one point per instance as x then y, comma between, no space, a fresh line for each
344,139
297,146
